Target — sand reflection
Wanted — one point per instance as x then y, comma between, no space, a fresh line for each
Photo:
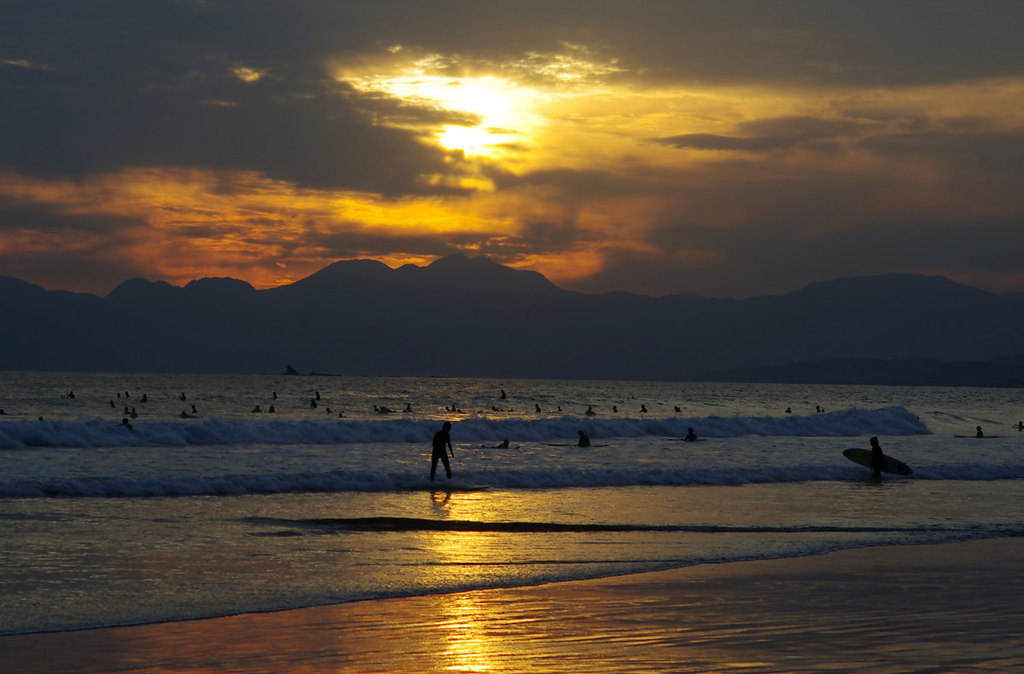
469,647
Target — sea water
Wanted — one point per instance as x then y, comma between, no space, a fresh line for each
223,509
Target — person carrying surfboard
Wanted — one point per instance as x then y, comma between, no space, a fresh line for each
877,457
442,441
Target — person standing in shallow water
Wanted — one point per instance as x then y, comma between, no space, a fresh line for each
876,459
442,445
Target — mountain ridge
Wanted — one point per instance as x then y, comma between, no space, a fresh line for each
462,316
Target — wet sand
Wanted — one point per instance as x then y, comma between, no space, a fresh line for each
936,608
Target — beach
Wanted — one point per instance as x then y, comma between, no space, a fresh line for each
928,608
301,541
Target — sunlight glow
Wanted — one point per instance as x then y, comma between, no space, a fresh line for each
484,115
246,74
472,140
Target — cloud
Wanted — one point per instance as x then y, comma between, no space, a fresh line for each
709,141
719,146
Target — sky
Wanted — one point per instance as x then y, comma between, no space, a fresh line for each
724,148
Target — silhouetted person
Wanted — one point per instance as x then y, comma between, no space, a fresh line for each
590,411
789,410
70,395
2,411
256,410
124,422
979,434
408,408
503,395
678,410
690,435
1020,426
182,396
442,442
145,398
584,440
536,407
876,459
501,445
643,409
194,410
270,409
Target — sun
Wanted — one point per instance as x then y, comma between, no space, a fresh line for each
472,141
487,115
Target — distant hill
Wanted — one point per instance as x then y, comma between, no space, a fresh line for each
1003,372
472,317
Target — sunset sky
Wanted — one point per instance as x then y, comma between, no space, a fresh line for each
725,148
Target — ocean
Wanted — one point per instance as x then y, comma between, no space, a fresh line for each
121,503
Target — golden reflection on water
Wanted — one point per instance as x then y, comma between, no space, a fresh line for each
468,645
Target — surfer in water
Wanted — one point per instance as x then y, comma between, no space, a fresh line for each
690,436
876,459
442,442
980,433
584,440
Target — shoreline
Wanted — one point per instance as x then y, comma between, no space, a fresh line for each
934,606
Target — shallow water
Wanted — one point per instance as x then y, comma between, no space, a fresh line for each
201,517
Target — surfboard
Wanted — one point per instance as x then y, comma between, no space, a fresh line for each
889,464
984,437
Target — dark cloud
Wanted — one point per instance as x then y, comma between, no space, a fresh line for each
246,85
992,151
94,257
779,133
19,216
154,85
708,141
760,260
127,84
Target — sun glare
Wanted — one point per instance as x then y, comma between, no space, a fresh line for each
486,114
471,140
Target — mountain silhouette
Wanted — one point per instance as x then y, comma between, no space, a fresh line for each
462,316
